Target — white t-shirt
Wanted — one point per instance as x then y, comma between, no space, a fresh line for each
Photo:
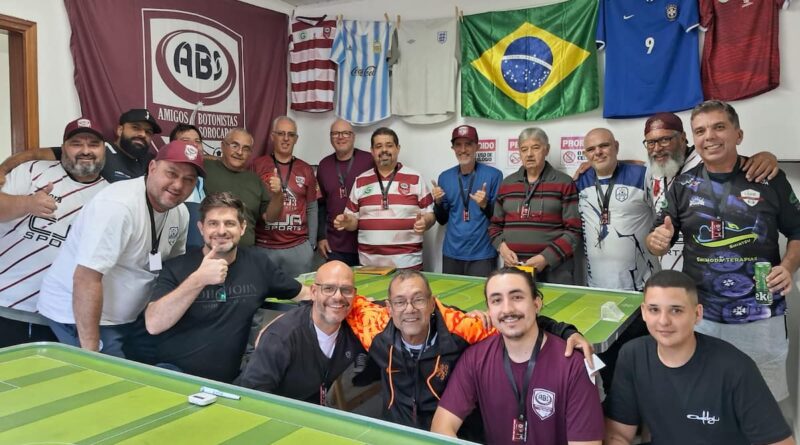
424,78
112,235
29,244
327,343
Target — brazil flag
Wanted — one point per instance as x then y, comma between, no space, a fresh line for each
530,64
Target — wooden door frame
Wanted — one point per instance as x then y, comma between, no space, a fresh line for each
23,79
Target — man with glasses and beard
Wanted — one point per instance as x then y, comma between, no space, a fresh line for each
669,154
203,301
37,206
127,158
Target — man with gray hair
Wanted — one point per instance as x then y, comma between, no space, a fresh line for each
292,237
536,221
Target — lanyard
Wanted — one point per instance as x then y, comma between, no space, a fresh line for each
531,188
342,178
720,205
528,373
284,181
154,240
385,190
604,199
465,195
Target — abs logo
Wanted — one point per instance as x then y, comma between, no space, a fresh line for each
193,63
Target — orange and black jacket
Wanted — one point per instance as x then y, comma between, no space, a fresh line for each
412,387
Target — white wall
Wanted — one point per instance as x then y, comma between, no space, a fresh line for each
5,99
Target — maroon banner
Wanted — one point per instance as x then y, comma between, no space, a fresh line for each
217,65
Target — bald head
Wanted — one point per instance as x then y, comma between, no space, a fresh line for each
337,270
343,139
601,149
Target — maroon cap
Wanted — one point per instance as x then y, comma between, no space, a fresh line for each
465,131
81,125
179,151
663,121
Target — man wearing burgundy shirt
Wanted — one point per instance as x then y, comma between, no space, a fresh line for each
335,175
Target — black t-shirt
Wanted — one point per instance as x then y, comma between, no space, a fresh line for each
288,360
718,396
210,338
119,166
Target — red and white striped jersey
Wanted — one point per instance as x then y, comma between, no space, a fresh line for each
29,244
312,72
386,237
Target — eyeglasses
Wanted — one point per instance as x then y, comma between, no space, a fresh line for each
662,141
417,303
341,134
285,134
236,147
329,290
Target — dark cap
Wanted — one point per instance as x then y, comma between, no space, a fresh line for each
81,125
139,115
663,121
465,131
179,151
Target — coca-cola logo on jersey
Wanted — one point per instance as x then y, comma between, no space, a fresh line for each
193,63
364,72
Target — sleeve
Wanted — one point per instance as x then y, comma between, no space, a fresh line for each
442,210
497,221
367,319
470,329
756,410
584,413
706,12
557,328
600,35
19,181
322,220
313,222
688,15
279,285
621,402
425,198
351,206
100,250
265,198
494,189
268,364
563,247
339,44
461,395
669,207
789,216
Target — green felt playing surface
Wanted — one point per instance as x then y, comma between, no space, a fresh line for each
56,394
577,305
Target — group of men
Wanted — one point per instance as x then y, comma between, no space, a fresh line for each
94,240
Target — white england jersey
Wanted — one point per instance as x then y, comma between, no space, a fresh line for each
656,190
424,78
29,244
313,75
616,252
361,50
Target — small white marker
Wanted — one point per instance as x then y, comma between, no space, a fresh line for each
219,393
202,399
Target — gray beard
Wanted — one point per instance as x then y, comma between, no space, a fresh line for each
670,170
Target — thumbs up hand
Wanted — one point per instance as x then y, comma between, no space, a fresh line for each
212,270
41,204
275,186
480,197
437,192
659,241
420,225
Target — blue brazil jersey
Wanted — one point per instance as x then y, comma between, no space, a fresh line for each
652,56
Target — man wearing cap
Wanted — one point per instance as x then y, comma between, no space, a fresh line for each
292,237
101,279
229,173
669,154
336,175
126,158
38,204
464,200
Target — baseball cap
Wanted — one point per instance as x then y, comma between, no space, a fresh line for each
663,121
465,131
81,125
179,151
139,115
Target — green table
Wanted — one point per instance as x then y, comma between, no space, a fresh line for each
577,305
56,394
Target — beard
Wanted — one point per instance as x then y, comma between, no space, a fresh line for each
671,168
136,148
82,169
